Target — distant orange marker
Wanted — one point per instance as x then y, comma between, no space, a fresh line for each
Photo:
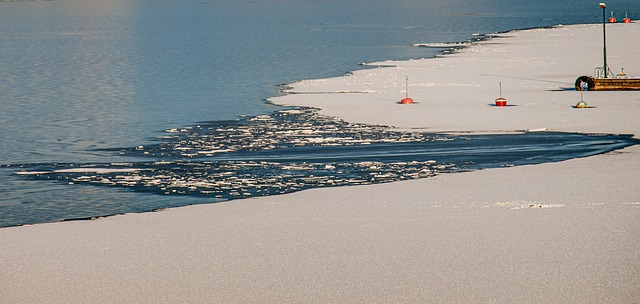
500,101
406,100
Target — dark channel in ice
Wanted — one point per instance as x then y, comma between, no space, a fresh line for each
298,149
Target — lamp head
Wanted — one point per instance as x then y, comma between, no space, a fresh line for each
602,5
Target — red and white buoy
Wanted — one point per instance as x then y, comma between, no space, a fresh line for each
612,19
626,18
406,99
501,101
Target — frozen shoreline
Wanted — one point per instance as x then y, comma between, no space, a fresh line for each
452,92
557,233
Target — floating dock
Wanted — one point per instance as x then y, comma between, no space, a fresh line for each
588,83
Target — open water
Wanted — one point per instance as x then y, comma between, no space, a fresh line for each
80,80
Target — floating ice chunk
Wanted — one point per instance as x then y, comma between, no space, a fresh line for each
32,172
211,152
96,170
538,130
442,44
292,112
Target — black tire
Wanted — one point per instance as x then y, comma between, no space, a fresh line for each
584,83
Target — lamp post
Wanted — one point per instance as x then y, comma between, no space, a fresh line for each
604,37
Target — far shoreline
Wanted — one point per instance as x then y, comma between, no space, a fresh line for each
282,88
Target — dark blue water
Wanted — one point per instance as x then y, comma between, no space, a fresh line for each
79,77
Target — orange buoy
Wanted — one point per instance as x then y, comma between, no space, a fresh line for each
626,18
612,19
622,73
406,101
501,101
581,104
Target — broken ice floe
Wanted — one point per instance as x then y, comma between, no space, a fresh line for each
297,149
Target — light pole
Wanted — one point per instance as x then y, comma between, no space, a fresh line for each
604,37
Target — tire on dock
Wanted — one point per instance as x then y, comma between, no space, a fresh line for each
584,83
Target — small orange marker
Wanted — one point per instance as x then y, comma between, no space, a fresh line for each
406,100
501,102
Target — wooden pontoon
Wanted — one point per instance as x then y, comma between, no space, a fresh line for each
588,83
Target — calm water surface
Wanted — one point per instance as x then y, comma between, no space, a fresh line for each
81,76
